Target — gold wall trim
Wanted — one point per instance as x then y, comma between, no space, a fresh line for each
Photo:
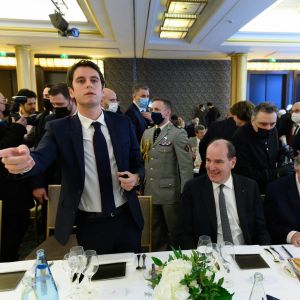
94,19
49,30
262,41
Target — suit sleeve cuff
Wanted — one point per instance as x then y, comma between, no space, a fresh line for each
289,236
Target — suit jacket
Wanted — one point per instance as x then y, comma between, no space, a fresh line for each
168,163
137,119
224,129
16,194
63,139
198,212
282,208
193,142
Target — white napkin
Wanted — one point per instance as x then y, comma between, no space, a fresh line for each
245,249
16,266
114,258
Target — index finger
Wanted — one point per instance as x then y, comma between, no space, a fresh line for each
8,152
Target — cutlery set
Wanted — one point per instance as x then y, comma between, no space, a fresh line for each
278,258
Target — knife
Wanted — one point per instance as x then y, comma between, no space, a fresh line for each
287,251
280,256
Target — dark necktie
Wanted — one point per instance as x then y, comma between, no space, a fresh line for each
156,134
103,169
227,236
296,130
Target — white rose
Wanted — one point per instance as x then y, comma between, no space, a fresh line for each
182,293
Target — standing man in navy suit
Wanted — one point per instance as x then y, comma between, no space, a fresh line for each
108,224
282,208
138,112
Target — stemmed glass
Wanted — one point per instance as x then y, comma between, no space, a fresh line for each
91,268
70,265
78,256
227,256
212,252
203,241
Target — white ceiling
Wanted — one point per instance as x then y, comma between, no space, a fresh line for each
129,28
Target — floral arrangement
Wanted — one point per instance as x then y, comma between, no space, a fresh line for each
185,277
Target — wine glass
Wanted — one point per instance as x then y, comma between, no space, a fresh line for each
77,255
203,241
212,252
70,265
227,256
91,268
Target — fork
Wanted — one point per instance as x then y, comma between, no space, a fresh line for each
279,255
276,260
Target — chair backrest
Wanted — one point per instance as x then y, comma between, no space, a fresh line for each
0,223
53,194
146,206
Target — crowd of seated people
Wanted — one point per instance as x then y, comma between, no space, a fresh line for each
241,161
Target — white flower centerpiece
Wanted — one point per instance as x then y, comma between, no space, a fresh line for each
185,277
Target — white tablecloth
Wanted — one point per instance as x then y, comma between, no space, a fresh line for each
134,286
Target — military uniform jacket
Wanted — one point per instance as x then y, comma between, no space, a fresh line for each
168,163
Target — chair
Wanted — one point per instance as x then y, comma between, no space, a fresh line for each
0,223
53,249
146,206
34,215
53,195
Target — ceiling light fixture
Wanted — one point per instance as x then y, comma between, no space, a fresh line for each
186,6
180,17
179,20
173,32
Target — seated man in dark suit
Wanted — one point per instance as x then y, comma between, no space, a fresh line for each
225,206
282,208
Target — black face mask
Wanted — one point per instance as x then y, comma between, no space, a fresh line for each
263,133
6,111
157,118
61,112
47,104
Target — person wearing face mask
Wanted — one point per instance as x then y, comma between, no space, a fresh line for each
63,106
109,101
37,132
289,129
168,166
138,111
257,147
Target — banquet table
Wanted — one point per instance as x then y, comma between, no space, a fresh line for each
133,286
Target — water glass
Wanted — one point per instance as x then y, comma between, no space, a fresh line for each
203,241
227,256
91,268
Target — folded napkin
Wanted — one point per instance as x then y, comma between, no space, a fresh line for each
114,258
16,266
245,249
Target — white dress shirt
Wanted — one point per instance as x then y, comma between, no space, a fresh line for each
228,190
291,233
91,196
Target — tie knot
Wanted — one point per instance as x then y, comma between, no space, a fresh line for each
96,125
221,186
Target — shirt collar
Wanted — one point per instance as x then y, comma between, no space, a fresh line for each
87,122
228,183
162,127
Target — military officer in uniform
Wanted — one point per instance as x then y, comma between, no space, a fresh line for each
168,166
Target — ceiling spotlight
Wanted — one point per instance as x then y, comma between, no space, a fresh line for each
62,25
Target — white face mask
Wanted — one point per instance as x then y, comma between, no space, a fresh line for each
113,106
296,118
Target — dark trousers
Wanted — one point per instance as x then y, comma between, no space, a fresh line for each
14,226
109,234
